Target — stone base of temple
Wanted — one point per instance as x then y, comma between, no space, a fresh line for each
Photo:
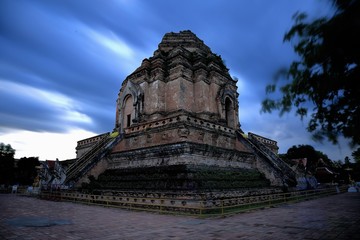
182,167
178,189
181,182
181,178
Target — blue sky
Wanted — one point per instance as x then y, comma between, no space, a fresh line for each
62,63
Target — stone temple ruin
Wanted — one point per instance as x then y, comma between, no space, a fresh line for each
177,131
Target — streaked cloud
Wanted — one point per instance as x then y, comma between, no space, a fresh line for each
112,43
65,109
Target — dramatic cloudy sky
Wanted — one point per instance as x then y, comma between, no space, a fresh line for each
62,63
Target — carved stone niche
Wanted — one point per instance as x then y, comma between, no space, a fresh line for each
214,138
201,136
183,132
165,136
148,138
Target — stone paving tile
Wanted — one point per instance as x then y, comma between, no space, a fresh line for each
334,217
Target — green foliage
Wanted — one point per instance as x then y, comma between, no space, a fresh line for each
6,150
7,163
356,155
23,172
26,170
350,170
347,160
312,155
216,59
326,75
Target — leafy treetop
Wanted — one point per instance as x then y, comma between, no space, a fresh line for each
6,150
325,76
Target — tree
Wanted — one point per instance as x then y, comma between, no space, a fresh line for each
26,170
6,150
312,156
356,155
6,164
326,75
347,161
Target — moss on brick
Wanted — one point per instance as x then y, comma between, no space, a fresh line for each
180,177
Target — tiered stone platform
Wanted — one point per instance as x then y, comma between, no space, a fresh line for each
177,115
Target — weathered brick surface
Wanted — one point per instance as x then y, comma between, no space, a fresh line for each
182,75
182,94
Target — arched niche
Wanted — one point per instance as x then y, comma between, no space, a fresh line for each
128,111
228,106
229,112
129,105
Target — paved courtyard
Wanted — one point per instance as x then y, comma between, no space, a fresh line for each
334,217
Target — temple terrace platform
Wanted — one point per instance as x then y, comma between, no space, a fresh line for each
333,217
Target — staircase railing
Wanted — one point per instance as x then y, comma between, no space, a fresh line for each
287,173
272,155
84,164
86,157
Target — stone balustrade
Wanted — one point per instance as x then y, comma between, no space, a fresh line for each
182,118
91,140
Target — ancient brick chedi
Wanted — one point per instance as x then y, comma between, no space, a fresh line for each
178,125
183,93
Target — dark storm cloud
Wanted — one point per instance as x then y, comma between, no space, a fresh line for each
50,52
126,18
24,114
42,44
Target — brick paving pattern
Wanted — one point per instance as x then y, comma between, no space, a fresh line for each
333,217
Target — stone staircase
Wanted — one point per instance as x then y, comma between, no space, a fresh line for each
86,162
281,169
